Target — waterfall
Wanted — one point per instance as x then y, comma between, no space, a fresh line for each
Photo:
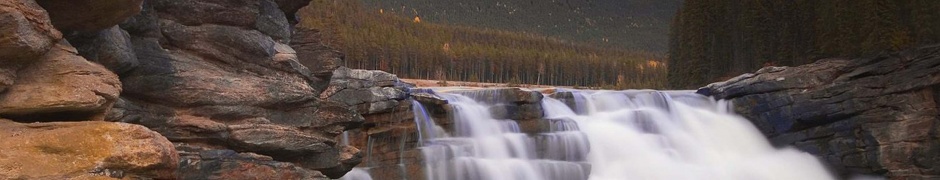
494,149
611,135
357,173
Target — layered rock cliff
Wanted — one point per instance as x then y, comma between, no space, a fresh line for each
221,87
876,116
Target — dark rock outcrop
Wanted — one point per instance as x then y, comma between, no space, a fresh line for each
874,115
111,47
89,15
84,150
203,163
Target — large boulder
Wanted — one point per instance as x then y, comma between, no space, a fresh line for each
26,34
89,15
875,115
60,86
84,150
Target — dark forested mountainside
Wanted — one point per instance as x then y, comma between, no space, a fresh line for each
632,24
712,40
377,39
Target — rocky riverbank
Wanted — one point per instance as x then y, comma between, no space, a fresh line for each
874,116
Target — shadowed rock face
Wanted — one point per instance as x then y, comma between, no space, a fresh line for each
203,163
89,15
875,115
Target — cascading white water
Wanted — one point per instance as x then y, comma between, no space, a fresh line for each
357,173
494,149
621,135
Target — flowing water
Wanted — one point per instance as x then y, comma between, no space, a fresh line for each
615,135
608,135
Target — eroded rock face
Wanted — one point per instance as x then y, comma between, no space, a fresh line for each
221,75
84,150
60,86
875,115
26,34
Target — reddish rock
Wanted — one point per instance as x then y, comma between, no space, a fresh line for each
84,150
26,34
60,86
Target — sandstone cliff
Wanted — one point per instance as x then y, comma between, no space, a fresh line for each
221,87
876,115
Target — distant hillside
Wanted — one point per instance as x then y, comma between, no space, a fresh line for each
374,39
713,40
633,24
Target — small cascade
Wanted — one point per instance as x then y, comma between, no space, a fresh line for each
483,147
605,135
357,173
682,135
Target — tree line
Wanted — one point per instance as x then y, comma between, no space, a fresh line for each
375,39
712,40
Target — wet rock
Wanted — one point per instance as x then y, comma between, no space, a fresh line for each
429,98
84,150
517,111
876,115
60,86
502,95
89,15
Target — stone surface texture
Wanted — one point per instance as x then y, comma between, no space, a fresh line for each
876,115
84,150
221,78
